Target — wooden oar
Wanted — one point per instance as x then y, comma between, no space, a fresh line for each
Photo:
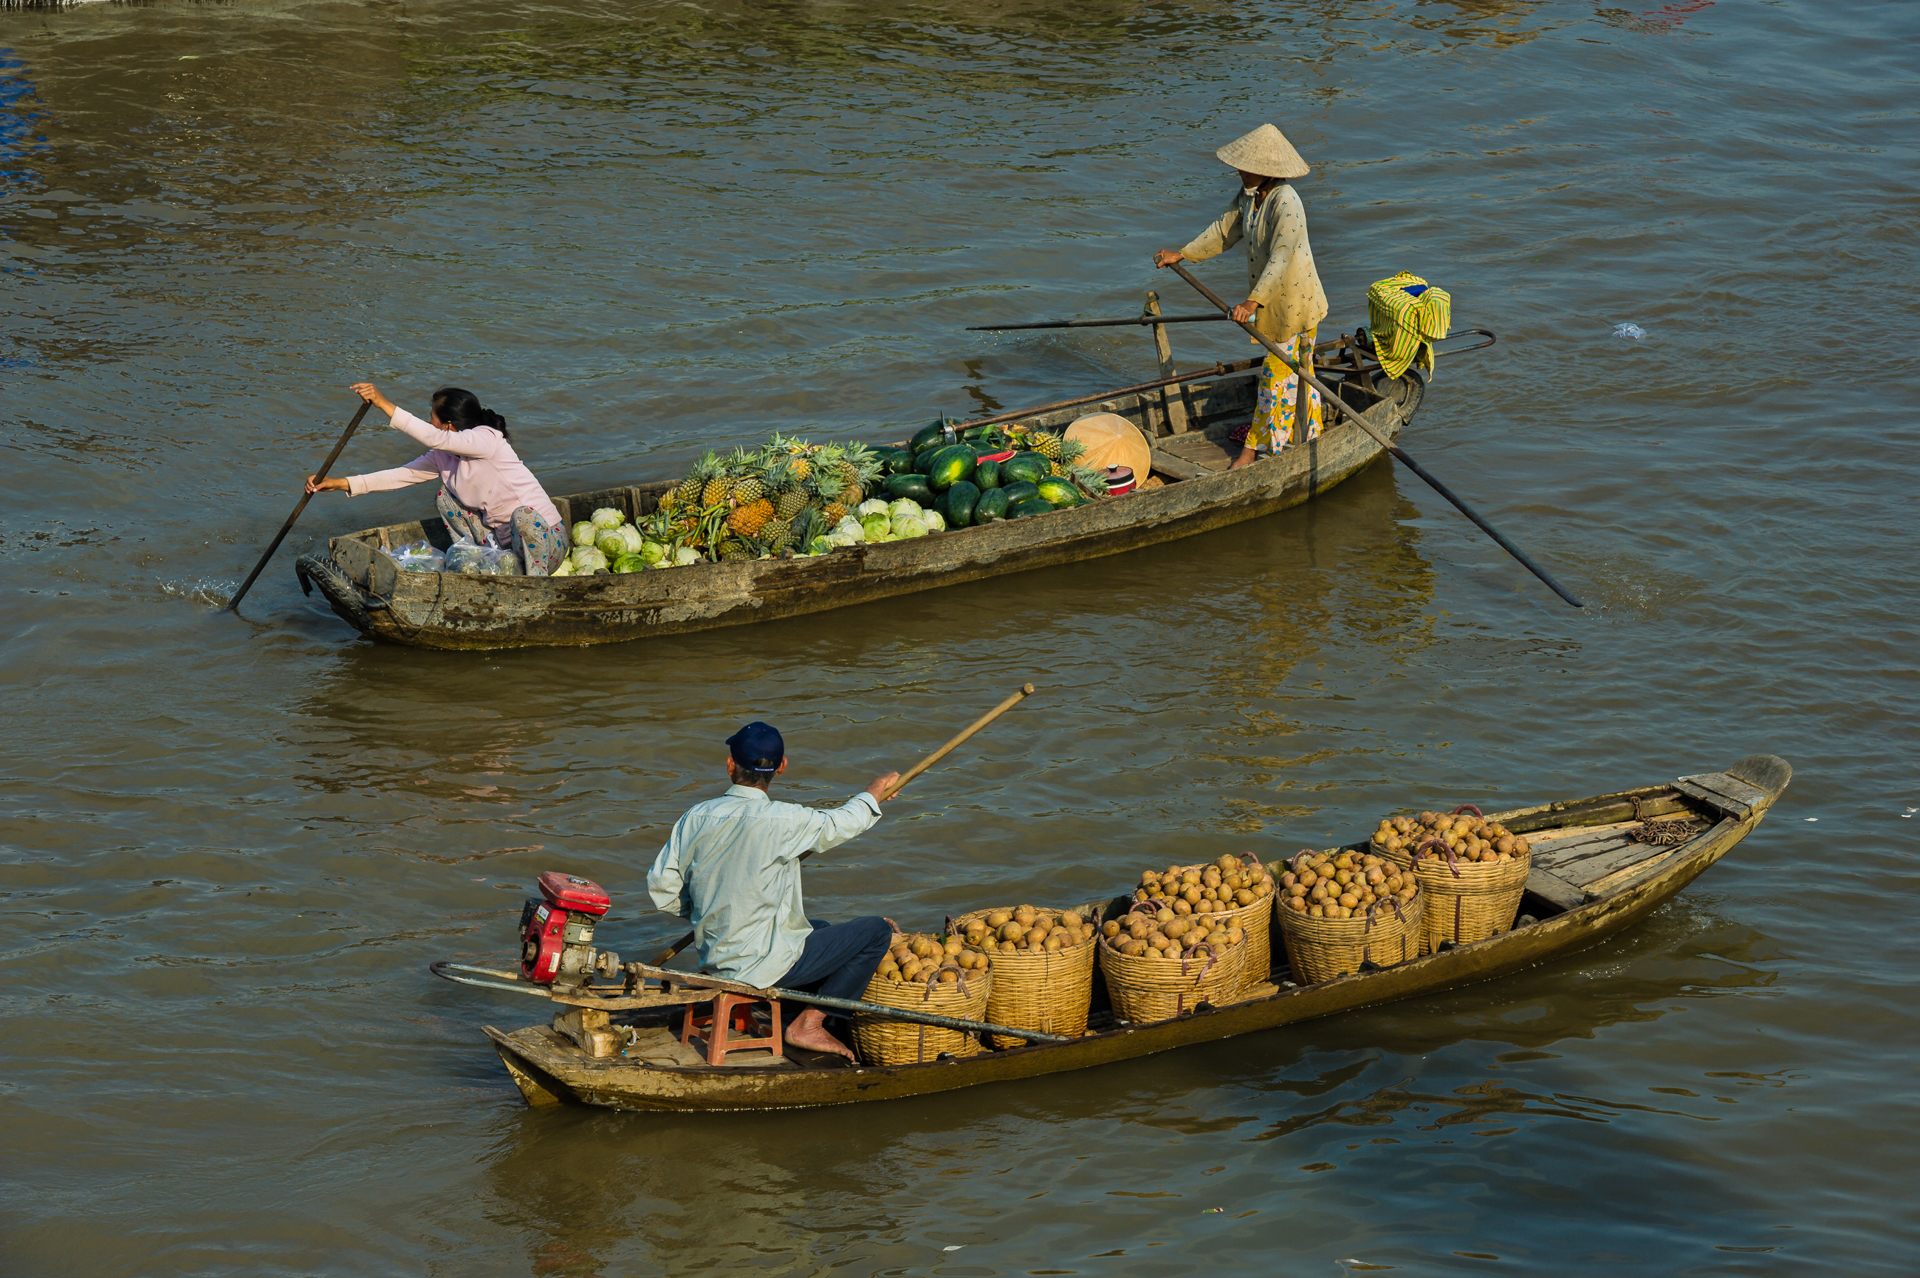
287,527
1327,396
1114,323
1026,691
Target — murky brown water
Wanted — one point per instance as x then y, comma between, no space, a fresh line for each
229,848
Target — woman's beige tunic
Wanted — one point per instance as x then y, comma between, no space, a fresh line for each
1280,274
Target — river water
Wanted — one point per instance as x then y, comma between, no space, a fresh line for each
229,848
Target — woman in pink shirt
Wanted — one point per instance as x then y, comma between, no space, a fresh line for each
486,491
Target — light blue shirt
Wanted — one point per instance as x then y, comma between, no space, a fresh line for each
732,866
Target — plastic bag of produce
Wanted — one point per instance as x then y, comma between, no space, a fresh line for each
416,556
481,561
608,517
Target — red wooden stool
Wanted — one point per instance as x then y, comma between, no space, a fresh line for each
726,1018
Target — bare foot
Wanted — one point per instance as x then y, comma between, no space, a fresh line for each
809,1032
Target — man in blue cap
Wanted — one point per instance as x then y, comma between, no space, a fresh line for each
732,866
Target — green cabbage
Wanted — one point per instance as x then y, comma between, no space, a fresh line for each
905,506
584,533
935,521
872,506
630,563
586,559
608,517
905,526
653,552
684,555
877,528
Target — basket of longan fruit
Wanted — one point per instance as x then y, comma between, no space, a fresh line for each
1159,964
924,973
1042,968
1237,888
1341,909
1474,870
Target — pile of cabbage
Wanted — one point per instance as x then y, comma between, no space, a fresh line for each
877,520
606,542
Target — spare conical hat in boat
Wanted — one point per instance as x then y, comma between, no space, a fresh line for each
1112,440
1265,151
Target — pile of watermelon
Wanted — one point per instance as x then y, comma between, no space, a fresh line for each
949,472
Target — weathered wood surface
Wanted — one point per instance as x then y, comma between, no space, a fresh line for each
1730,794
626,1085
454,611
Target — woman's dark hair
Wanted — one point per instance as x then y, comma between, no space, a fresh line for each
461,410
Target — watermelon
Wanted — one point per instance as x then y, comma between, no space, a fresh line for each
1060,493
912,487
896,461
929,437
992,506
923,460
1029,506
987,475
950,465
1015,492
957,503
1031,467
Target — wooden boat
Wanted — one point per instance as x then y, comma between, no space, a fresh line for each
1188,423
1589,880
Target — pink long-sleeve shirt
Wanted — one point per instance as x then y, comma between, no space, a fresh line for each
478,466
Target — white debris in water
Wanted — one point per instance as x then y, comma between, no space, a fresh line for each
1633,331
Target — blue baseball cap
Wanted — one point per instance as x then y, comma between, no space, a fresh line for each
758,747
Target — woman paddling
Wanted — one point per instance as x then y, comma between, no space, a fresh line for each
486,491
1284,299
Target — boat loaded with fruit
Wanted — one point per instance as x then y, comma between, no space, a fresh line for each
794,526
1189,954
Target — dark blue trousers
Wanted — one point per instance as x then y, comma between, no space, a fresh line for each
840,958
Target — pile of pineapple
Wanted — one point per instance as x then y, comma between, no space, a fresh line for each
749,504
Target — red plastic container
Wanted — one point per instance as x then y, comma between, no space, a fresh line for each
1119,480
575,895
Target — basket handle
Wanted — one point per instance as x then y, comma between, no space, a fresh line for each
1453,862
1468,807
1294,865
1144,907
935,976
1213,956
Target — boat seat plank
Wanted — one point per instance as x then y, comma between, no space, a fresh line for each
1729,794
1594,870
1209,455
1562,854
1551,887
1168,466
1620,878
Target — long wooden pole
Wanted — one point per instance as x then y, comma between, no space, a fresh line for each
1026,691
1327,396
287,527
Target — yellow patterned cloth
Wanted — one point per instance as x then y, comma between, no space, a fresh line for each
1280,399
1407,316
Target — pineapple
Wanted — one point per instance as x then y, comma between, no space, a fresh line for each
778,534
749,518
1048,446
789,502
832,492
732,550
718,481
691,488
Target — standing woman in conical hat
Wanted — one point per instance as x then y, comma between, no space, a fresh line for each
1285,302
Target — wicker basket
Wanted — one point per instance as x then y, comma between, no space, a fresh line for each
887,1042
1048,992
1144,989
1257,920
1405,859
1470,900
1321,949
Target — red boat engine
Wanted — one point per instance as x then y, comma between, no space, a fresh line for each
556,934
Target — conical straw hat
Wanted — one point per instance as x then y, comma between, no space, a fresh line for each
1265,151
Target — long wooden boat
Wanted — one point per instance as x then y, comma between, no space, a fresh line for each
1187,422
1589,881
